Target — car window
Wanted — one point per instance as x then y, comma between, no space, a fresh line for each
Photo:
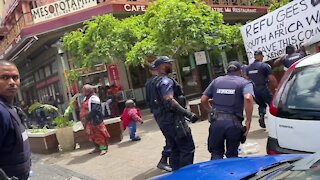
312,173
302,90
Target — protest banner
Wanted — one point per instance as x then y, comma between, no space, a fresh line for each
297,23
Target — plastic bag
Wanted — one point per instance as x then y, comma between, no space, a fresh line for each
77,127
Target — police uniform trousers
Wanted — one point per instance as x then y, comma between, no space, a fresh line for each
167,147
182,149
224,133
263,98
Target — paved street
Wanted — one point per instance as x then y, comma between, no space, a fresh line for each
128,160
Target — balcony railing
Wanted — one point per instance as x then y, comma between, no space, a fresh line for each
235,2
12,34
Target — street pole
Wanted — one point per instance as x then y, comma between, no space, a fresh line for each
61,53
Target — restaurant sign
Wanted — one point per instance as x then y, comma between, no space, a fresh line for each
60,8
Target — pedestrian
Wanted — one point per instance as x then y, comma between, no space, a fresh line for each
291,56
103,97
113,91
260,74
15,154
92,120
171,114
41,117
151,102
230,94
130,116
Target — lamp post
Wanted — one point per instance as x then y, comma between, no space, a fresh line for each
61,55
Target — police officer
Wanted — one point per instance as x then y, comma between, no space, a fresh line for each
291,56
230,94
260,74
244,69
151,102
14,145
171,113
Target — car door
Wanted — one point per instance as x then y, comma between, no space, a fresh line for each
298,119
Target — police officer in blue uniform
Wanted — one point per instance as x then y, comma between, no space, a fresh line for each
244,69
230,94
152,104
260,74
291,56
14,145
171,115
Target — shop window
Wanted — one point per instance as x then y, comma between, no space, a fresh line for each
47,70
189,76
232,55
139,76
41,73
234,2
217,63
36,75
215,1
54,67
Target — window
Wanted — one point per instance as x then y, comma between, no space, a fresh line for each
139,76
304,89
47,70
54,67
36,74
215,1
41,73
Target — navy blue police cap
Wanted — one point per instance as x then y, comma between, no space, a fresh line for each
234,66
258,52
161,60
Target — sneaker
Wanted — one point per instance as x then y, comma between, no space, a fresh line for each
261,122
137,138
103,152
95,150
164,166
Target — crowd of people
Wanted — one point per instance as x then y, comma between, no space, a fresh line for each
231,95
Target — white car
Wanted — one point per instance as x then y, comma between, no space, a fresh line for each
294,115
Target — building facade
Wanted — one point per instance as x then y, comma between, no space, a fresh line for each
30,32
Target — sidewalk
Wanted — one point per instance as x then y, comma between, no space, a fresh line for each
136,160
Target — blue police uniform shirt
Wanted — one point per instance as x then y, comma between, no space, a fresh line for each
247,89
7,131
166,86
245,69
258,69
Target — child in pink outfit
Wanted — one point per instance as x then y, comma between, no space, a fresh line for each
130,116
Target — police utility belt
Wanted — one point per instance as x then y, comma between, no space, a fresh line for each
219,116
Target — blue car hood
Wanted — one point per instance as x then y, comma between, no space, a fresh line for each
233,168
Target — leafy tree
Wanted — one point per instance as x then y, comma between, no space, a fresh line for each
177,27
278,3
168,27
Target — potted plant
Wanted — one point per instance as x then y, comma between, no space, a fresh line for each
64,131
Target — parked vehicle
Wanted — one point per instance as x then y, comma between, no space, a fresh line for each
294,117
275,167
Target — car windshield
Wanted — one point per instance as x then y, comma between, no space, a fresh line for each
302,91
288,173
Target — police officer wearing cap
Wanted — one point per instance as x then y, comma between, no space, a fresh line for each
291,56
260,74
171,115
152,104
230,94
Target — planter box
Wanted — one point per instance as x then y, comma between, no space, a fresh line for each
43,143
114,127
